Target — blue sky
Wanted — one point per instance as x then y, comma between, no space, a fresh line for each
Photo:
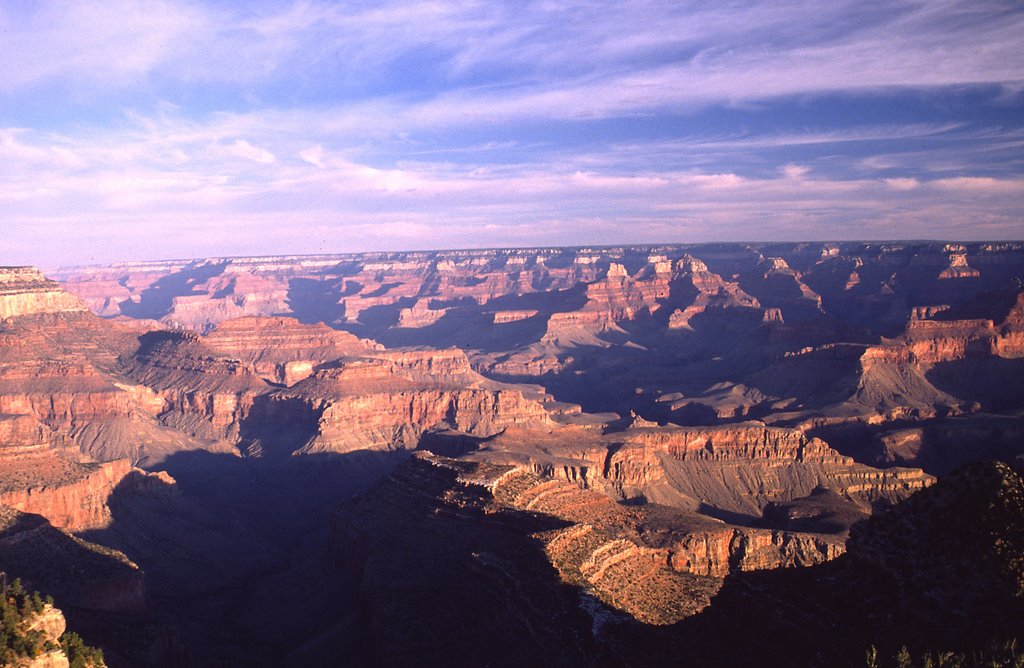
146,129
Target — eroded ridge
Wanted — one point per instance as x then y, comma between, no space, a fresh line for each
654,563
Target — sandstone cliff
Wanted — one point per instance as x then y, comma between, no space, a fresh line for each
74,571
654,563
75,505
280,349
277,386
60,366
82,504
392,399
727,471
25,291
958,333
658,564
36,477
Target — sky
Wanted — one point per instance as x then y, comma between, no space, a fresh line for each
143,129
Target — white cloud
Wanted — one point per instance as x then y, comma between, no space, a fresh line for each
314,156
244,149
795,172
903,183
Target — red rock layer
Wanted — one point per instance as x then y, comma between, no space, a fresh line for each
60,367
281,349
740,468
947,338
708,291
25,291
73,505
341,393
391,399
657,564
37,478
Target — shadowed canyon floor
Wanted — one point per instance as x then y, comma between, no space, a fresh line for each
590,456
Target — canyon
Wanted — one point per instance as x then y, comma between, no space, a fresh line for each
533,456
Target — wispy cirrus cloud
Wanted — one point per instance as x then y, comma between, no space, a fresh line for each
638,55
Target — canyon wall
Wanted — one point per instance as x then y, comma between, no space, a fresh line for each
26,291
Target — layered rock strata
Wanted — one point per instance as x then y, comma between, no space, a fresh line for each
654,563
75,572
60,366
26,291
735,470
267,385
392,399
39,479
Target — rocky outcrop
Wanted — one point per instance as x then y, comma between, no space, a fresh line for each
106,420
60,367
73,505
202,395
775,284
390,400
703,291
727,470
397,420
505,317
622,297
282,350
78,500
932,341
274,385
616,298
658,564
654,563
947,361
958,267
420,315
51,624
75,572
26,291
37,476
958,333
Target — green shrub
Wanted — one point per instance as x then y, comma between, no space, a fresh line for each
17,608
79,654
1005,655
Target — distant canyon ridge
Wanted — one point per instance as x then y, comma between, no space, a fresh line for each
838,338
